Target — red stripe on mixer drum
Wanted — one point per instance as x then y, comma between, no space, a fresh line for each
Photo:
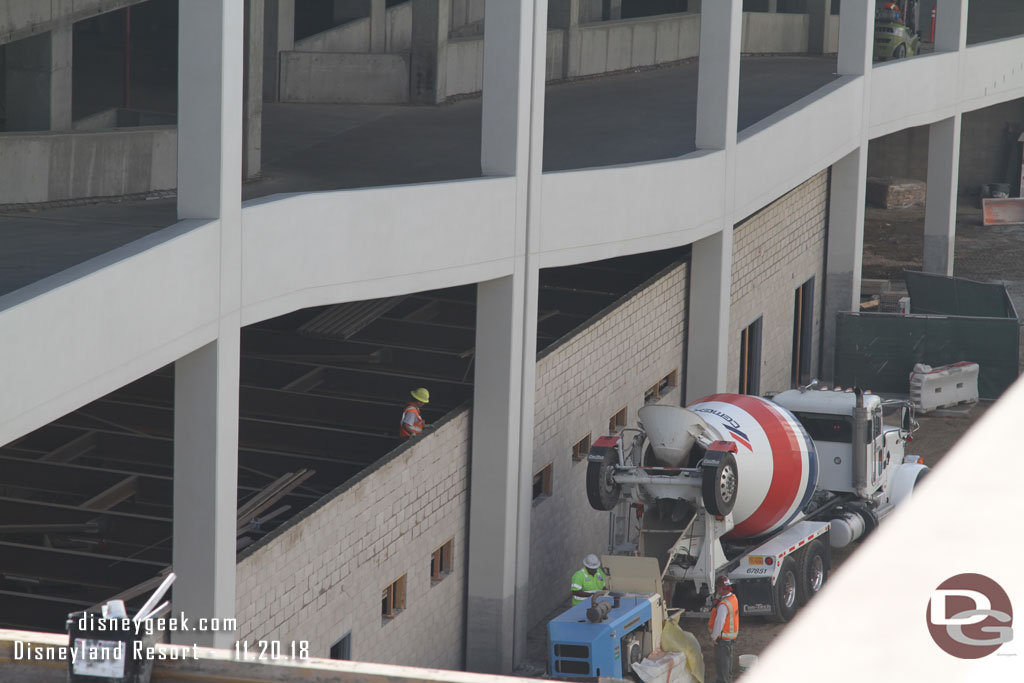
787,470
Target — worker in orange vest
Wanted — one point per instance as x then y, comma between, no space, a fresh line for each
412,422
724,626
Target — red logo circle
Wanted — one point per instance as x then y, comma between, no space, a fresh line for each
969,616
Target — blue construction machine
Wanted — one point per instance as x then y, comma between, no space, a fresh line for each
605,635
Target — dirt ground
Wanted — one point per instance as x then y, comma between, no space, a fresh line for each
893,241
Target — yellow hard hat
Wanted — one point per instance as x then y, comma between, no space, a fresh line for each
421,395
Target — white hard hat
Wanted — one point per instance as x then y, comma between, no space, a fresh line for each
591,561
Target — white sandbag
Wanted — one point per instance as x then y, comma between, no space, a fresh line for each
663,667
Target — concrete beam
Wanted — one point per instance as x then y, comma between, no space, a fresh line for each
940,204
428,56
845,247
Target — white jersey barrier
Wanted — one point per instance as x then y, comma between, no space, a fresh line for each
943,387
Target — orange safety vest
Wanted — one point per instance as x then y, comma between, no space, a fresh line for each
731,628
406,430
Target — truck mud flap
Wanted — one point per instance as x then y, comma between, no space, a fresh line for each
755,597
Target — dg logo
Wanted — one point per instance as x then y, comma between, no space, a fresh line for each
970,616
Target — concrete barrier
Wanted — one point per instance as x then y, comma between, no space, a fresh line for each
464,66
770,33
943,387
336,77
630,43
52,166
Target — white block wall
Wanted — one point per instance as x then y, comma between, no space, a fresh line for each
774,252
324,575
580,385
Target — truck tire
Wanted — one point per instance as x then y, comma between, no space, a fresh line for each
813,571
602,492
784,592
720,483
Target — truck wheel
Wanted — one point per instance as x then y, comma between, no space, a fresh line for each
900,52
632,652
719,484
813,571
602,492
784,593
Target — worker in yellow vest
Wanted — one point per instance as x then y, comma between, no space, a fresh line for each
588,580
723,627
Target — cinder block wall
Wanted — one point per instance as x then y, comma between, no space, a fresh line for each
774,252
580,385
323,576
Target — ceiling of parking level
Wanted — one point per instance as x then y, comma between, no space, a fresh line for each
86,501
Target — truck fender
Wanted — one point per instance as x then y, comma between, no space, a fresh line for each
904,479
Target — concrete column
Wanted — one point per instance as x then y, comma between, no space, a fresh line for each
707,361
210,75
506,344
845,247
205,486
427,59
611,10
856,36
252,133
278,37
940,205
773,6
848,183
566,14
378,26
950,25
38,81
693,6
60,77
718,74
817,26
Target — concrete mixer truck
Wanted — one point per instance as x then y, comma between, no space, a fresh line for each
760,490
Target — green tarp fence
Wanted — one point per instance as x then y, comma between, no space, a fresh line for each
878,351
944,295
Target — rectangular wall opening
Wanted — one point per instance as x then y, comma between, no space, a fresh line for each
803,323
750,359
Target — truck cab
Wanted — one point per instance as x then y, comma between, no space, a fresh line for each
858,452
